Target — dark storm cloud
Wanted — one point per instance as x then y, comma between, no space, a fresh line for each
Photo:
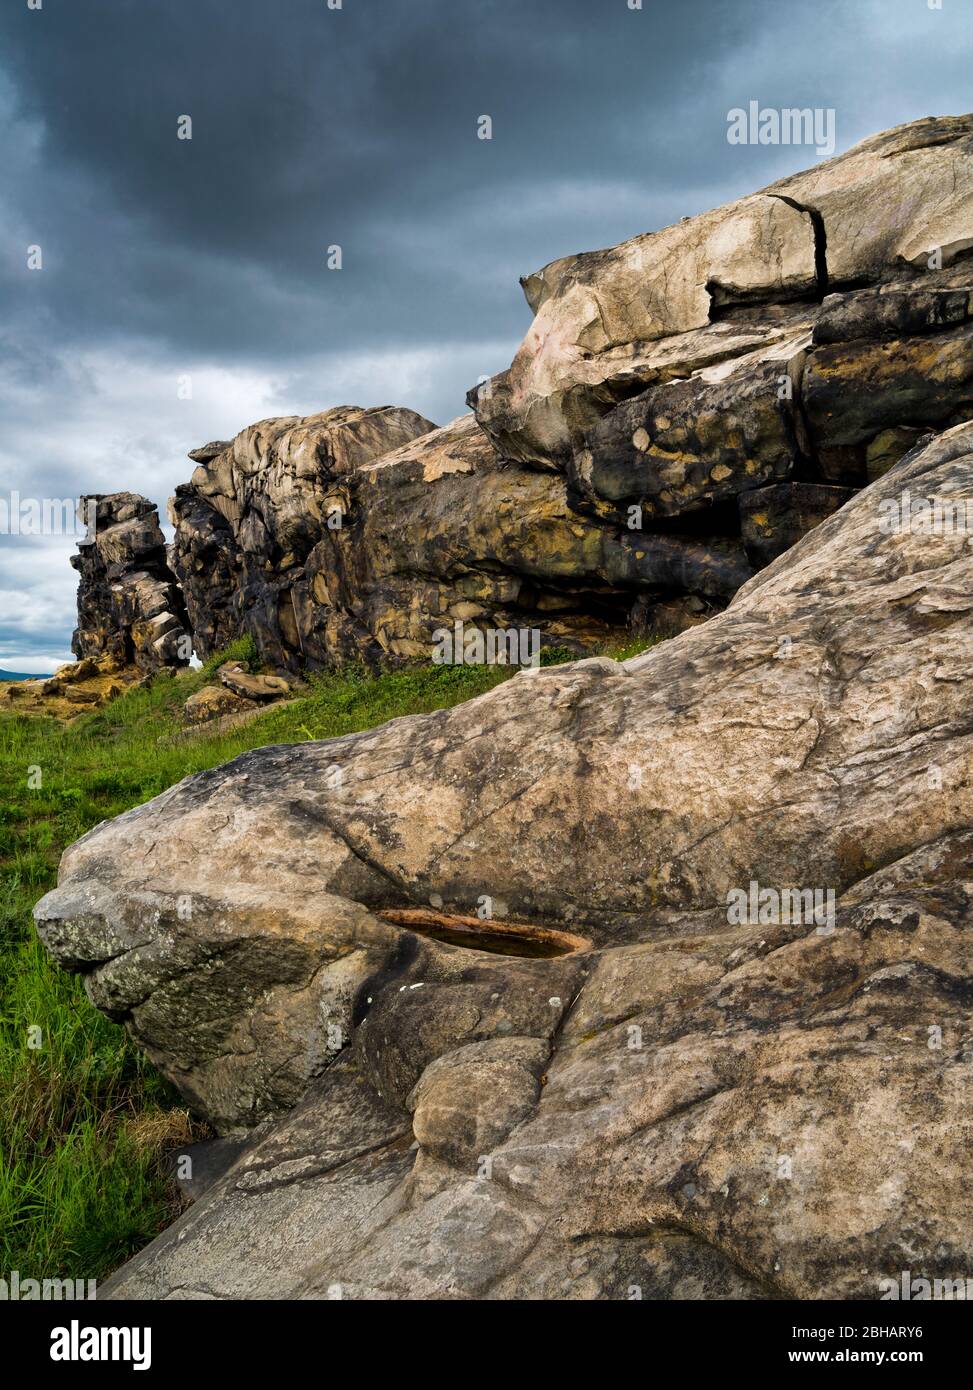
314,126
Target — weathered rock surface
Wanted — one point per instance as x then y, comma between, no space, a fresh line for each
805,335
794,344
214,702
665,305
75,687
256,507
693,1105
238,679
442,532
130,607
774,518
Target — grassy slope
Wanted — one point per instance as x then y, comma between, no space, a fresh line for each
84,1119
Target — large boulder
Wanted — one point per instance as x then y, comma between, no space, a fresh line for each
727,1051
130,607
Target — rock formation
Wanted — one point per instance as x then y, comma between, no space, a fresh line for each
696,1103
650,370
684,407
253,513
647,975
75,688
442,531
130,607
239,696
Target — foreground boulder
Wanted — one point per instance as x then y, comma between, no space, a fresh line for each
721,1042
130,607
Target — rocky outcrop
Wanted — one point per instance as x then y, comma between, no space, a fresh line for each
684,407
215,702
720,1042
444,532
130,608
749,368
724,305
255,509
239,695
75,688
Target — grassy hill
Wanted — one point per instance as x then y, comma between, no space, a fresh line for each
84,1119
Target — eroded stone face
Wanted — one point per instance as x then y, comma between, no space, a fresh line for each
130,607
255,508
442,532
897,202
705,1094
698,1105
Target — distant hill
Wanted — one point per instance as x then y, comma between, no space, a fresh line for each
21,676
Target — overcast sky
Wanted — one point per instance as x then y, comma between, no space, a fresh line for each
166,258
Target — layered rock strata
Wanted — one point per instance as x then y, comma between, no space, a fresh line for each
683,408
130,607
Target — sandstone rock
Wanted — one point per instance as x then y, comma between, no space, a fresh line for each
209,1160
467,1102
852,393
110,664
441,532
679,373
887,448
890,313
74,688
212,702
230,667
772,519
699,1105
78,695
687,444
801,339
606,319
254,687
207,452
255,509
130,609
76,671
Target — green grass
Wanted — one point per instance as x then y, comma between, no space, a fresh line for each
85,1121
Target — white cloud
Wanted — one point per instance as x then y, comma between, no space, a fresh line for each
107,422
37,588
